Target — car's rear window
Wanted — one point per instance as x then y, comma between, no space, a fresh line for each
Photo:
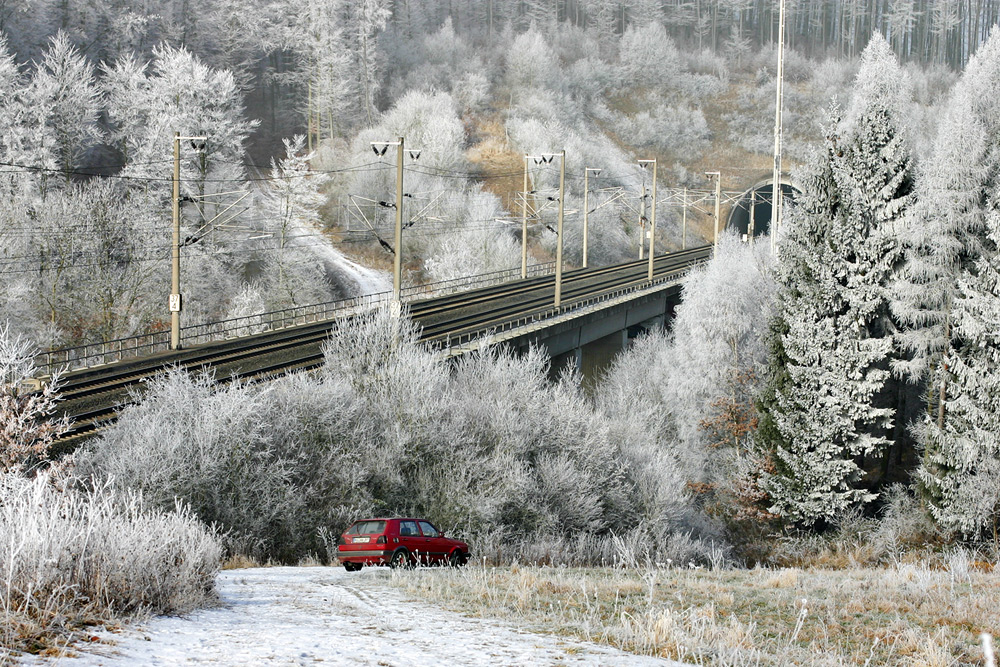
367,528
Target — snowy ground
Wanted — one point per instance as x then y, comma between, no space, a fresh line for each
323,615
358,279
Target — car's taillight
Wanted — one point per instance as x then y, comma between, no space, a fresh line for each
341,540
380,540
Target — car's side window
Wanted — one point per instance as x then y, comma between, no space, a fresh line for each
428,530
408,528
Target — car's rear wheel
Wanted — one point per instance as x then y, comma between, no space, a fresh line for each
400,559
352,567
456,559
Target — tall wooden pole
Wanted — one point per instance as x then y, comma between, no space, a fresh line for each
175,251
559,228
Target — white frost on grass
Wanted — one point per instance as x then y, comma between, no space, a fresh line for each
309,615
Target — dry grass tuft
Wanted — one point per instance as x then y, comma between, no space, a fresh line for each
239,562
77,559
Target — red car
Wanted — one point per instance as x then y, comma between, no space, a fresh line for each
398,543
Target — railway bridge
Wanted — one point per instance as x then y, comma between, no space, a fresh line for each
598,309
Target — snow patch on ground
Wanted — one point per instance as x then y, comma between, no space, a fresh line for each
311,615
339,267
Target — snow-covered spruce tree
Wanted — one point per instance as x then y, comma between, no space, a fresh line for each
947,297
950,297
961,467
835,269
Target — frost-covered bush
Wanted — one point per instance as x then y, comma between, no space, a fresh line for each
648,57
690,393
70,558
206,444
473,243
531,63
487,445
27,423
679,129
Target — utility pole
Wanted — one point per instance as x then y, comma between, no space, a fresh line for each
652,219
524,218
684,221
753,205
175,301
642,221
397,260
718,196
380,147
559,227
524,211
175,252
776,189
586,208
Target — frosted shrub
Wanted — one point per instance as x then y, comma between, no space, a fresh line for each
531,62
486,445
205,444
648,56
675,128
474,242
70,558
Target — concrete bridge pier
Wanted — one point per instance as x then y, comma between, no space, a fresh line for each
573,359
589,343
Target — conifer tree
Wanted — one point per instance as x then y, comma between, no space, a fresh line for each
835,268
961,467
950,297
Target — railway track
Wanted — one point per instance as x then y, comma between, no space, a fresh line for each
93,398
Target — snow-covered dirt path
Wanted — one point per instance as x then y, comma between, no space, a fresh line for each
323,615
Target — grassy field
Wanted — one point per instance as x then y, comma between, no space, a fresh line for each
908,614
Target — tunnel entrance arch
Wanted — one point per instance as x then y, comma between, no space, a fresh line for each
757,200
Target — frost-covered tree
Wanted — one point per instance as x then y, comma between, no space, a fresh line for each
531,62
961,465
12,109
836,268
325,75
294,272
682,390
474,244
948,231
65,96
648,56
25,139
176,92
368,19
950,298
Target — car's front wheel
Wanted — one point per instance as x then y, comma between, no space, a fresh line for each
400,559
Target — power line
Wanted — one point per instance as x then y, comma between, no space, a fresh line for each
33,169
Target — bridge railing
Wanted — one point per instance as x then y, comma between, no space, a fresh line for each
468,337
103,352
443,287
145,344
